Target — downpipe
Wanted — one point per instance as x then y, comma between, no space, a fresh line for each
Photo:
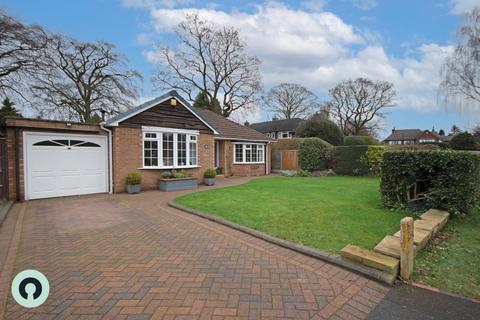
110,155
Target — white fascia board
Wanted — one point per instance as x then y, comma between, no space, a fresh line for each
115,124
169,130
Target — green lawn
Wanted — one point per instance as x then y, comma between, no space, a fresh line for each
452,260
327,213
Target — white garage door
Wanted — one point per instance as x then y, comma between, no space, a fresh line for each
64,164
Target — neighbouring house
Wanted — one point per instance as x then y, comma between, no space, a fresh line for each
277,129
414,136
60,158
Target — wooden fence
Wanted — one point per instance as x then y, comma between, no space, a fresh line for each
285,160
3,169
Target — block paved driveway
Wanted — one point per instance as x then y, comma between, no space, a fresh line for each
133,257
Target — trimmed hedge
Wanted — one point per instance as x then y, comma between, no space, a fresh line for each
287,144
373,158
313,154
360,141
464,141
346,160
447,180
413,147
324,129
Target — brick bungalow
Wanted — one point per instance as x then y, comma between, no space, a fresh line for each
49,158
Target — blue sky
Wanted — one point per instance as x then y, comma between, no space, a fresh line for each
314,43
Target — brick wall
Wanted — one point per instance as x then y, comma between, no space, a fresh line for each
34,126
127,157
12,192
232,169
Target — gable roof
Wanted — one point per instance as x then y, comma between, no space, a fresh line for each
277,125
221,127
114,121
409,134
404,134
227,129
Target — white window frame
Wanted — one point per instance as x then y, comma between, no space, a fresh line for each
287,133
160,131
245,145
427,140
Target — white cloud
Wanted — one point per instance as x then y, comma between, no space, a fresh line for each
318,50
144,39
314,5
365,4
420,78
281,37
463,6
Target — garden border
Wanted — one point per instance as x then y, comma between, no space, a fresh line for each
315,253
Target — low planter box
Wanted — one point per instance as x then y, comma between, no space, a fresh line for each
177,184
133,188
209,181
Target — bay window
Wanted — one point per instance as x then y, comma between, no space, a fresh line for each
168,150
181,150
150,150
193,151
249,153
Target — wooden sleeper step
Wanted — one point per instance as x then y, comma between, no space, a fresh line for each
429,225
371,259
441,217
390,246
420,237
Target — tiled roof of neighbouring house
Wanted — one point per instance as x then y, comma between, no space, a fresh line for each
229,129
410,134
277,125
404,134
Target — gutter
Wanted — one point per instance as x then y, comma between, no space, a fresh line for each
110,155
241,139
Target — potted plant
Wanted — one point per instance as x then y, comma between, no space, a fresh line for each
176,180
209,177
133,182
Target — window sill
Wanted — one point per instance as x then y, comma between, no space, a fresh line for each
168,168
249,163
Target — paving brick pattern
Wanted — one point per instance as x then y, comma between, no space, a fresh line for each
132,257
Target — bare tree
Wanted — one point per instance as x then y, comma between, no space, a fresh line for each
81,79
20,53
461,71
210,59
358,104
291,100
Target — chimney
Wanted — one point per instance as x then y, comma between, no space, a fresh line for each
102,111
393,130
246,124
274,119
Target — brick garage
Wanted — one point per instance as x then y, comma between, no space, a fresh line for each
199,140
16,127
